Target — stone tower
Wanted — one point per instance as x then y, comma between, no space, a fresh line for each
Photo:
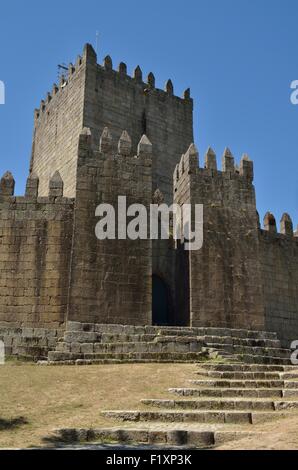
96,96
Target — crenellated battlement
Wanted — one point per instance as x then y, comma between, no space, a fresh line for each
90,57
286,230
114,149
137,77
109,149
189,164
8,199
57,90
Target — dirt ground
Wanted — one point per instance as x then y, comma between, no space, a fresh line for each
37,399
280,434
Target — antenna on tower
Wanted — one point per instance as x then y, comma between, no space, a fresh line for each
62,68
97,42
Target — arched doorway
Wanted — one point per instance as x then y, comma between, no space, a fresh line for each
161,302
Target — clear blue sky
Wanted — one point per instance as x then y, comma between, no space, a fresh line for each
238,56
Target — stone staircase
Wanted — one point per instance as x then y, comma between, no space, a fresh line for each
224,402
85,344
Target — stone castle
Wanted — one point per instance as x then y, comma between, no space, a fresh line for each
101,134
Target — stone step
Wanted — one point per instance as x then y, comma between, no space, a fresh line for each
160,345
219,341
124,338
220,405
246,358
212,341
249,375
238,367
206,437
108,338
260,359
168,331
171,437
208,405
289,375
95,357
80,349
289,393
232,392
179,339
220,332
113,329
96,362
82,337
32,353
117,358
254,351
212,416
222,383
228,340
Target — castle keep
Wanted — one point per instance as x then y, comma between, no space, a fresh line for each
101,134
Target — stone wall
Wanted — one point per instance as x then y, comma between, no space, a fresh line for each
29,343
110,279
35,247
225,277
279,261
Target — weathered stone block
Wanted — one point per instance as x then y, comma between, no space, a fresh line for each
87,348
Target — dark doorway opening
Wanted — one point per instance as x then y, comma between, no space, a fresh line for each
161,302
